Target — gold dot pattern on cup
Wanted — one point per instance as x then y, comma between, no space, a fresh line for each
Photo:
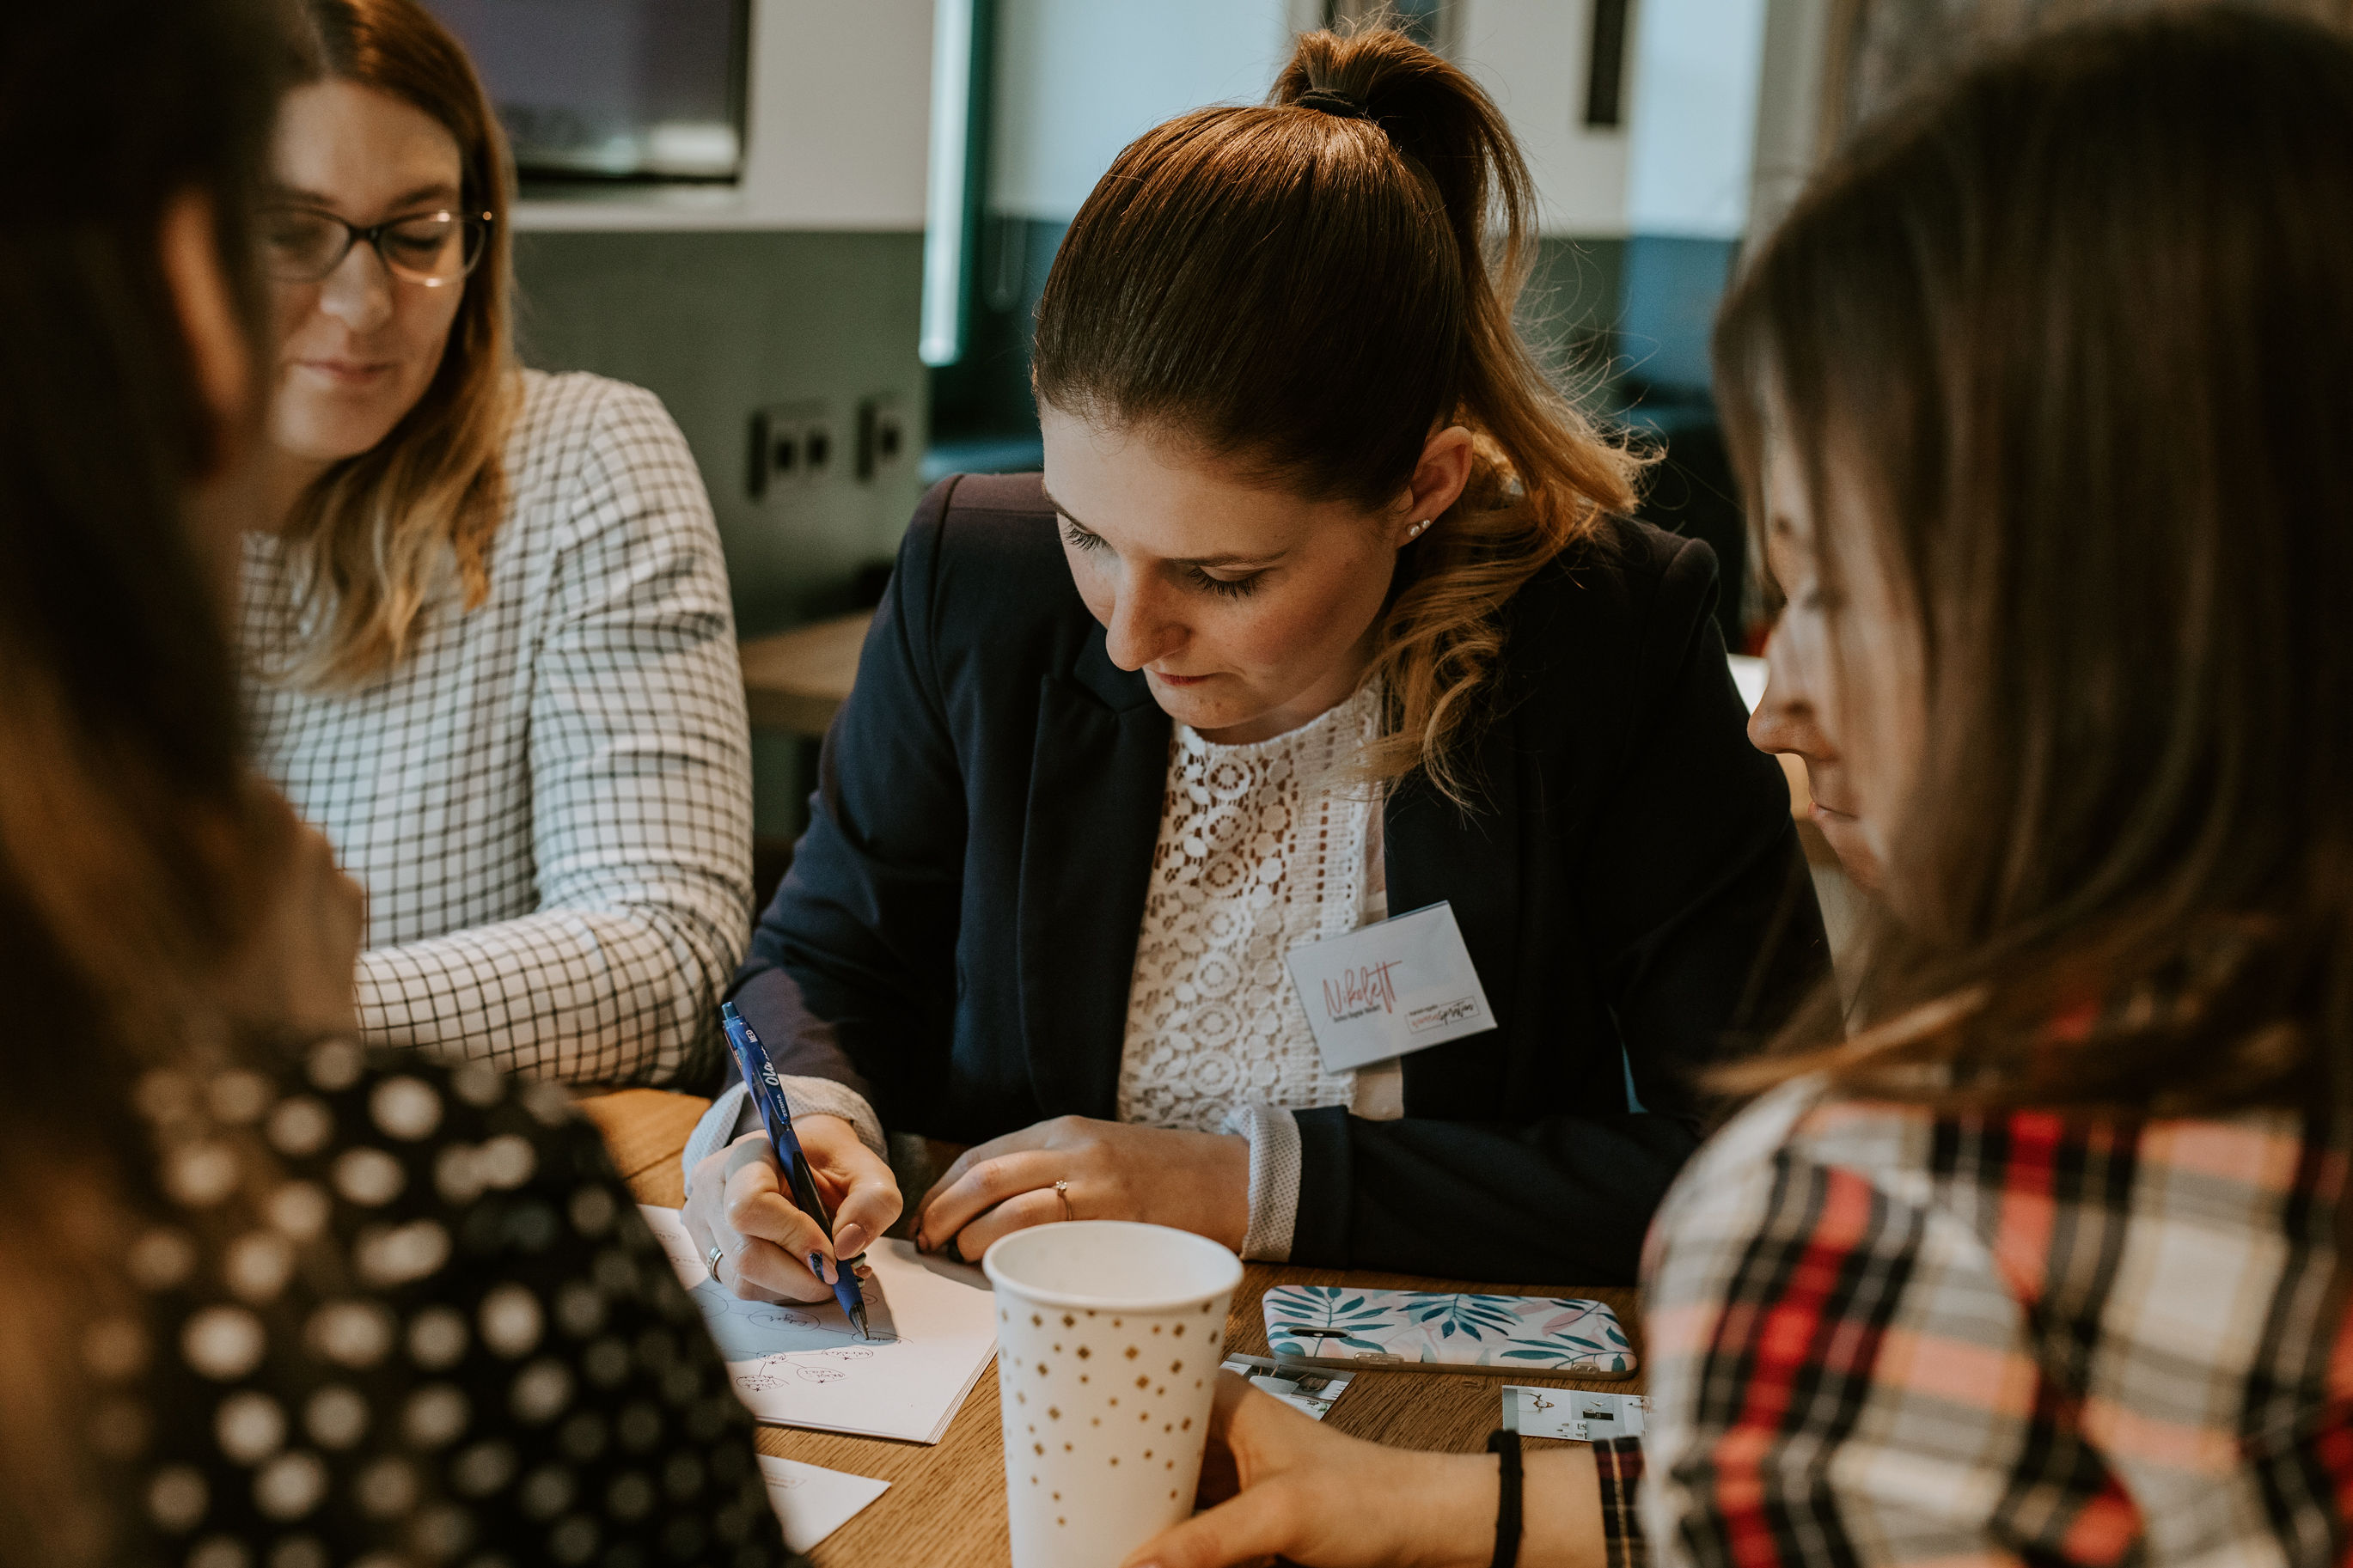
1117,1456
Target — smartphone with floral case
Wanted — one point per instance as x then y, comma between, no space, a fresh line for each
1340,1325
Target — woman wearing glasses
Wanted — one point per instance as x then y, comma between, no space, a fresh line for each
486,623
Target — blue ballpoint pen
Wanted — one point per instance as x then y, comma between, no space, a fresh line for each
776,1118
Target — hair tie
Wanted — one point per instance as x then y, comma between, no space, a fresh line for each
1331,100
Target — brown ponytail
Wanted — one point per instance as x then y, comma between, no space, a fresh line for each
1312,289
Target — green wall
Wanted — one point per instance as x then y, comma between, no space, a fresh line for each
720,325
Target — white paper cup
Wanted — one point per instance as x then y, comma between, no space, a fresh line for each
1108,1339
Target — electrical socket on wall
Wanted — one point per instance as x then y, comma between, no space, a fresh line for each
793,444
884,443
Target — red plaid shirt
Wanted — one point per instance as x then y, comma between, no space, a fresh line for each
1881,1335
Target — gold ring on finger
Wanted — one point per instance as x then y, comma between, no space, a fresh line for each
1062,1191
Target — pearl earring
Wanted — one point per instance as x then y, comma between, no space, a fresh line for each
1415,532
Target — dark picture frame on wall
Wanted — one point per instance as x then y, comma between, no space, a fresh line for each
608,92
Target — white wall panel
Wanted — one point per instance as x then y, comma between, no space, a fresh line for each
840,128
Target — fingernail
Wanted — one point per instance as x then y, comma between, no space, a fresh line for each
850,1240
817,1266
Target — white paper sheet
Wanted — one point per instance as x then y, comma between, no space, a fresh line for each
934,1325
1575,1414
811,1502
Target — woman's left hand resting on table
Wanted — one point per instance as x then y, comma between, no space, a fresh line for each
1286,1485
1112,1170
739,1202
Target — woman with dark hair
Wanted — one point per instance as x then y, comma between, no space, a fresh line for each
486,623
2046,395
1325,607
266,1298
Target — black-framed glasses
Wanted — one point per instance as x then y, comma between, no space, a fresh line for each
305,245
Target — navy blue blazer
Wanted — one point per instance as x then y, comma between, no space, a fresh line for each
957,933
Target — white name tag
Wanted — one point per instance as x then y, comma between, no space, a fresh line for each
1401,986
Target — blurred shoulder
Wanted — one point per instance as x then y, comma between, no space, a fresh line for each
593,457
986,557
1620,570
382,1260
554,404
974,519
576,427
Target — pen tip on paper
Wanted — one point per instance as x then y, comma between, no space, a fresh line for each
858,1322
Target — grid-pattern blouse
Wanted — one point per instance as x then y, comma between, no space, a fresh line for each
548,800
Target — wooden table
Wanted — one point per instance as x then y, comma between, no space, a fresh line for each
945,1508
797,680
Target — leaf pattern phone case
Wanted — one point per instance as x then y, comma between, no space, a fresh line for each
1334,1325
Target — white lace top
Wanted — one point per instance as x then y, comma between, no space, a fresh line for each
1262,846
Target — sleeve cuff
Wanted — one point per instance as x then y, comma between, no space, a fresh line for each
1618,1466
1273,1135
732,1114
826,1097
1326,1206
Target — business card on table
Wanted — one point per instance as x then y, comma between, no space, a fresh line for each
1311,1390
1390,988
1573,1414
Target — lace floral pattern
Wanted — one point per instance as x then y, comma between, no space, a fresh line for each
1262,846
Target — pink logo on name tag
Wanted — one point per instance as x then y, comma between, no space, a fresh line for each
1359,991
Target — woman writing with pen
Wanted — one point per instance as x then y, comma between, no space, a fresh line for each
1323,610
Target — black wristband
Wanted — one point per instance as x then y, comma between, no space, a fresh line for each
1506,1446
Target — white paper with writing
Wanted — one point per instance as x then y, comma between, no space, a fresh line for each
801,1364
1573,1414
812,1501
1388,989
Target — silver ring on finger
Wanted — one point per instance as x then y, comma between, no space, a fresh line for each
718,1255
1062,1191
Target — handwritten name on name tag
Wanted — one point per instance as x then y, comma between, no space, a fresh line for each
1400,986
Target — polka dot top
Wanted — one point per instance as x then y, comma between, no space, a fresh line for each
396,1312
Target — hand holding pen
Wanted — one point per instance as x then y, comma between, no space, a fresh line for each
770,1246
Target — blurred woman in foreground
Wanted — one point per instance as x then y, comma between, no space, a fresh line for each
265,1299
2046,393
